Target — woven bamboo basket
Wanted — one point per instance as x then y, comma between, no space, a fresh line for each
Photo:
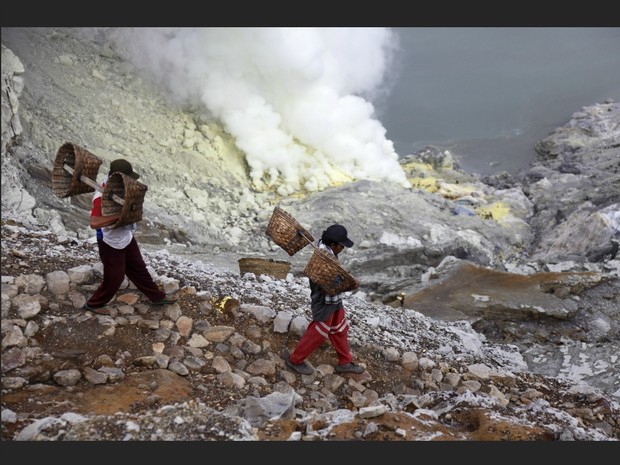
287,232
326,271
131,191
276,268
83,163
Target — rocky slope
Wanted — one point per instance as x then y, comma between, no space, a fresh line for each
511,283
208,367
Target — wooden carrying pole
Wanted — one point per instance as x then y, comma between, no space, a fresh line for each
93,184
310,241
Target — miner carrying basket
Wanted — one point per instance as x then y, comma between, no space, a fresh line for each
328,280
117,207
118,249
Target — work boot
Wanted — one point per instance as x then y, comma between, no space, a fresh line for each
349,368
302,368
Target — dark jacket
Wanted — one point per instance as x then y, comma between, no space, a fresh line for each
320,303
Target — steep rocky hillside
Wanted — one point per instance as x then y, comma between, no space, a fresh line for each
509,328
209,366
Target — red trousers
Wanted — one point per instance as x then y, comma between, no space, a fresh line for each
116,264
335,328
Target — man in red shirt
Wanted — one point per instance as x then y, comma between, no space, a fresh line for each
120,254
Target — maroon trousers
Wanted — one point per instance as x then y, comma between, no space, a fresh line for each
335,328
118,263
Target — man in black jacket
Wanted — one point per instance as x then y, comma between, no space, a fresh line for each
328,316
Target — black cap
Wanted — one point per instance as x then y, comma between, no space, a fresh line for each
124,167
338,233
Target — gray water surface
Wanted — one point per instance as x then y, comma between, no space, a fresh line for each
490,93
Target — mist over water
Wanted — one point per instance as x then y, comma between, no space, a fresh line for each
490,93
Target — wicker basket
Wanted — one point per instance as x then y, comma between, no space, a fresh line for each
287,232
83,163
131,191
326,271
276,268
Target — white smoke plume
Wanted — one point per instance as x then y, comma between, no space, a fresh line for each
293,98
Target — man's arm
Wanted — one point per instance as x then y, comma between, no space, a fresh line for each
97,218
97,222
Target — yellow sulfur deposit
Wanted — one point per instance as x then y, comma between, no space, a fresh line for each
429,184
496,211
